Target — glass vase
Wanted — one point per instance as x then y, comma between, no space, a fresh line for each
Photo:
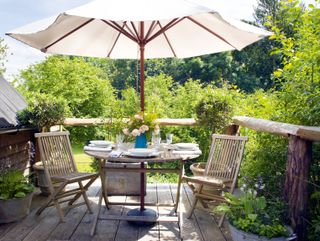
141,141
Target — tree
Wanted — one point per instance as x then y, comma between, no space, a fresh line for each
85,87
3,55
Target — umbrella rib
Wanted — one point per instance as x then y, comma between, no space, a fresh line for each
116,40
118,28
130,30
151,28
45,49
135,30
165,28
212,32
167,39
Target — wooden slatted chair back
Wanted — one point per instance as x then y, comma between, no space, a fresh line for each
56,153
225,157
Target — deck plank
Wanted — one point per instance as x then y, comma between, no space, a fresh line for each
107,229
127,231
65,230
19,230
78,222
190,229
150,233
208,227
169,230
50,221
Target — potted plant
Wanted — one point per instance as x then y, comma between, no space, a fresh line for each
249,219
15,196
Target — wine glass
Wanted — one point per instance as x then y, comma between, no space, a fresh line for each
169,138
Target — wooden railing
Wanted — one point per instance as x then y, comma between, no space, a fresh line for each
297,167
100,121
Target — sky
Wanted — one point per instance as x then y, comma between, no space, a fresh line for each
17,13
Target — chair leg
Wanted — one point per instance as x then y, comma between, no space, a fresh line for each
85,197
221,220
94,226
79,194
59,209
194,203
52,199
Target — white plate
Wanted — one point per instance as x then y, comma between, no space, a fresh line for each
101,143
187,146
141,151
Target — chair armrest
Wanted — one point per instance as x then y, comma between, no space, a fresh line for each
206,180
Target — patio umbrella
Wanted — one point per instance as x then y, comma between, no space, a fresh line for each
129,29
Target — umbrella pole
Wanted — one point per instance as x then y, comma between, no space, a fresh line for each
142,78
141,44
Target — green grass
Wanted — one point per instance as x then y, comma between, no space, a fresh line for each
83,161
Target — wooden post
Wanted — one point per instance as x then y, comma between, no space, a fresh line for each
232,130
296,185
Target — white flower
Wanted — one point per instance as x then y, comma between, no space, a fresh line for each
126,131
143,128
135,132
138,117
156,130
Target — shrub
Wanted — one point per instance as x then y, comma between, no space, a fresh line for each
43,112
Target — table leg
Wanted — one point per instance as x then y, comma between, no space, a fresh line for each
181,168
103,181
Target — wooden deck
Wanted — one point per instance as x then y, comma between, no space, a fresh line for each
202,226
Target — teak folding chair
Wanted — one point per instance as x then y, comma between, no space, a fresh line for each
60,169
221,170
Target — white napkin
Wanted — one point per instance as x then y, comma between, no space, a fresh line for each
95,148
187,152
187,147
115,153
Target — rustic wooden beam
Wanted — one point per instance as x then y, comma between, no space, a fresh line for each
101,121
278,128
296,183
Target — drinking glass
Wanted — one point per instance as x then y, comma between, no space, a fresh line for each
119,140
156,139
169,138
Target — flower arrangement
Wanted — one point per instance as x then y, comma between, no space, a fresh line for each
142,123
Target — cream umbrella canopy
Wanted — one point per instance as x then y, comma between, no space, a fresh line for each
130,29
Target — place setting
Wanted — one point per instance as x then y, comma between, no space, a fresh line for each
99,145
142,152
186,149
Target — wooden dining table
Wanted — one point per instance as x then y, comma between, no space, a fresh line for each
142,215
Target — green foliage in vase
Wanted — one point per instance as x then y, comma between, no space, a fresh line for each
13,184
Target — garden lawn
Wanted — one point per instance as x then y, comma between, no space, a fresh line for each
82,160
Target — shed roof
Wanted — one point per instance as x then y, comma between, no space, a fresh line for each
11,101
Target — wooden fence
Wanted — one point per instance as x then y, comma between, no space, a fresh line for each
16,148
